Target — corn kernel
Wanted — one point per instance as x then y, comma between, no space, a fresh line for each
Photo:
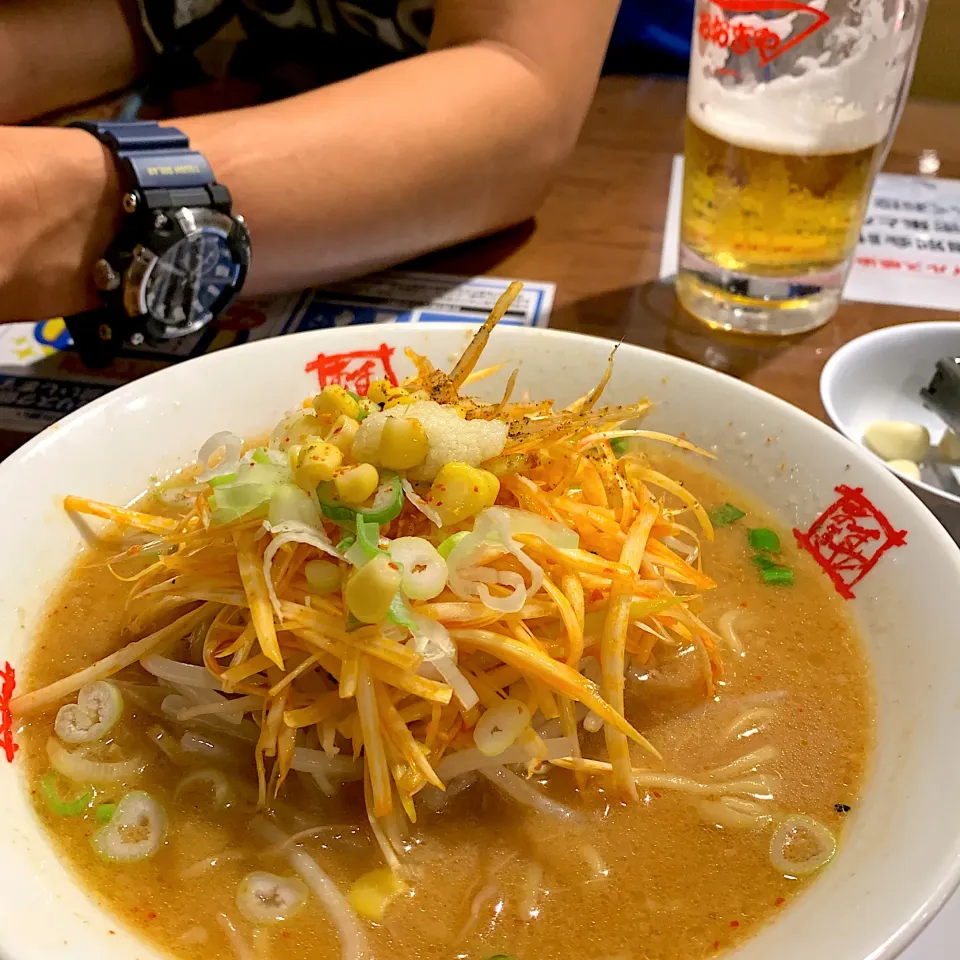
355,484
373,892
342,433
334,401
370,591
316,462
296,429
379,391
403,444
383,391
460,491
490,487
322,575
403,400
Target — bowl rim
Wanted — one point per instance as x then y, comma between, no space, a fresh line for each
844,355
948,880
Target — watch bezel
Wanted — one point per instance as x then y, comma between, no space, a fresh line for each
169,227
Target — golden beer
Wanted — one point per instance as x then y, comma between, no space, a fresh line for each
790,110
768,214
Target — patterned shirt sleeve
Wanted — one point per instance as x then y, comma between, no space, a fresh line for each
180,26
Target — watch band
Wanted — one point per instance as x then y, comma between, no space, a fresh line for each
152,156
159,173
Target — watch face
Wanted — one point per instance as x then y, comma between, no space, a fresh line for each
185,282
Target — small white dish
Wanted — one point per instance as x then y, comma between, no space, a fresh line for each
878,377
900,857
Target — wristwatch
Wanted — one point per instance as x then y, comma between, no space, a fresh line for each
181,255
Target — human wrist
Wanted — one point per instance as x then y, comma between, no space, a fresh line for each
60,207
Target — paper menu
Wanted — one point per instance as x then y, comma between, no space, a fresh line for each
42,380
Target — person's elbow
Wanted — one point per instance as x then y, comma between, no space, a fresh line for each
546,127
525,183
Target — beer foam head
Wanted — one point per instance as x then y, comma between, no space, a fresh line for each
786,116
812,109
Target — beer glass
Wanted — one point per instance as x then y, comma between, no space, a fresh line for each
791,109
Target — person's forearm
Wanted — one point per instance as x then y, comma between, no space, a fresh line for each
56,53
369,172
333,183
59,208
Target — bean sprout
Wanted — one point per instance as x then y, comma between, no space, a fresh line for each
240,946
518,789
745,764
204,866
726,630
353,941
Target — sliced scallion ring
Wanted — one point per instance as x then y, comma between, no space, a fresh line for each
386,506
97,711
135,831
266,898
75,766
801,845
61,807
231,445
499,727
424,570
207,782
447,545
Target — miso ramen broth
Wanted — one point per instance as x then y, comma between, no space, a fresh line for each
557,870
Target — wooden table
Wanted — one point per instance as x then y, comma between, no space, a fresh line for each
598,237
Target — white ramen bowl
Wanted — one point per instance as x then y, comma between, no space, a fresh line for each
878,377
900,858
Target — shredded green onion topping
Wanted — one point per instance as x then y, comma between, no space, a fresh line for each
223,480
764,539
725,514
773,573
61,807
362,412
619,446
368,536
386,506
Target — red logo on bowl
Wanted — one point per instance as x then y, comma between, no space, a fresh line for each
355,370
849,538
9,677
740,38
